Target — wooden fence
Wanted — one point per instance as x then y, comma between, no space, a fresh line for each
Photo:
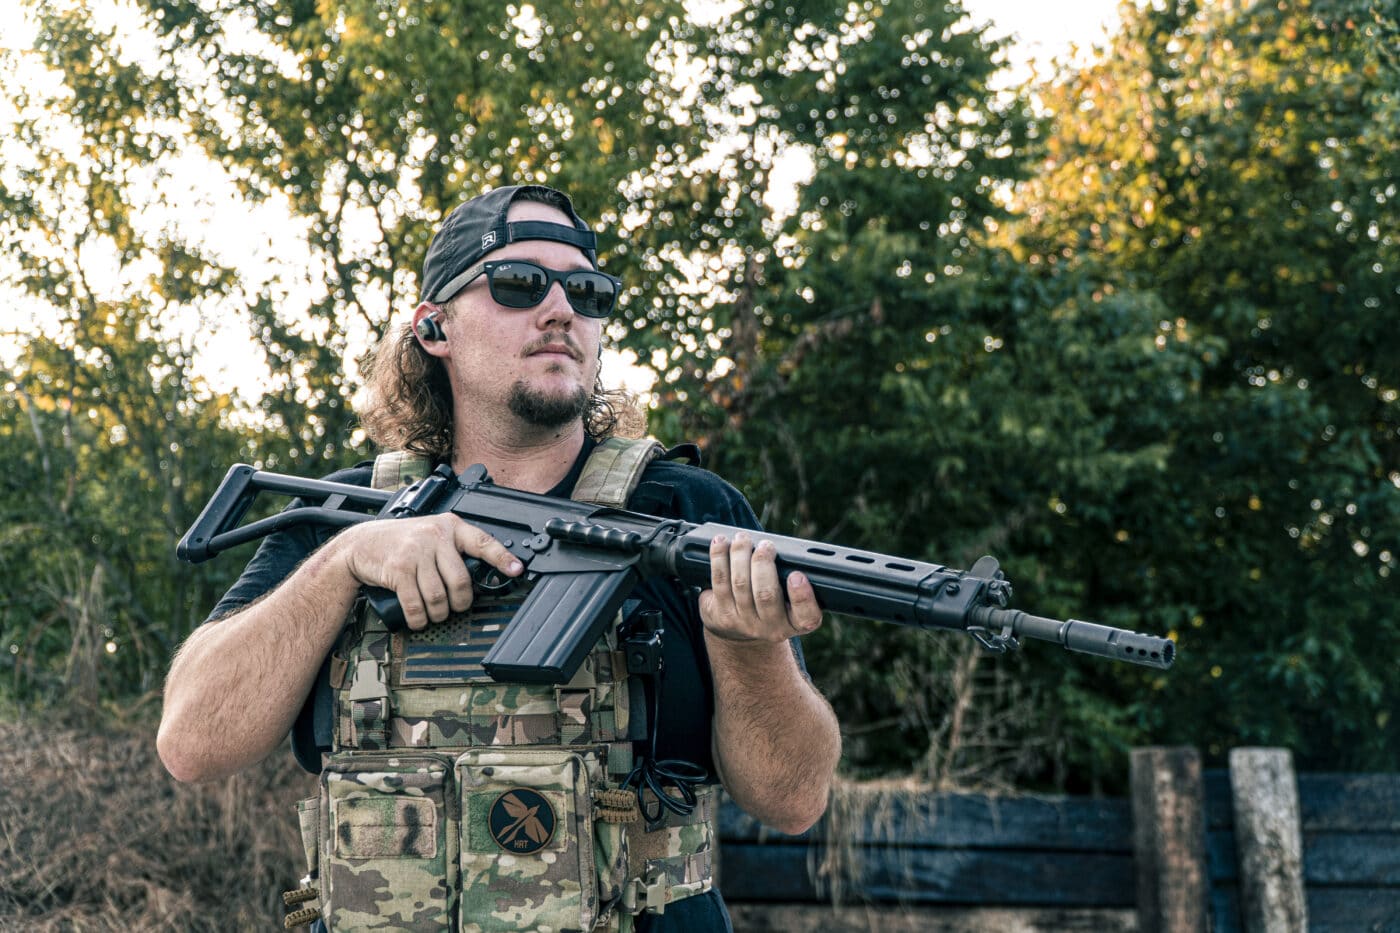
1248,849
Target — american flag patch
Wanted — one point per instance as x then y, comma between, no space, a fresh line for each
452,651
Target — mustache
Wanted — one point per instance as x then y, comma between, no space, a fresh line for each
557,339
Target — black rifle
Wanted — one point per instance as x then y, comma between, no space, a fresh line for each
584,560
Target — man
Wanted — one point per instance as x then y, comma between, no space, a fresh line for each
497,368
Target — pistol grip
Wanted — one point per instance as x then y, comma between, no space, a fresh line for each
385,603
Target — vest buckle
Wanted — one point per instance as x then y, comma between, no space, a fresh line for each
368,684
646,894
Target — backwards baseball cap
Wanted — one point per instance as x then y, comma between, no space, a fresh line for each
476,227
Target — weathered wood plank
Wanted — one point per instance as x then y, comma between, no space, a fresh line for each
1169,840
815,918
754,872
1219,809
1357,859
1351,859
1221,864
1225,909
1330,910
1330,802
1350,802
1346,910
898,818
1268,840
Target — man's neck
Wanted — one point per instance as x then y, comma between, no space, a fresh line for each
532,461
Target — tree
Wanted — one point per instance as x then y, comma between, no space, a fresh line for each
106,405
764,327
107,432
372,121
1230,160
1163,420
800,345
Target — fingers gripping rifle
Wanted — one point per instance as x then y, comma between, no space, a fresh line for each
585,559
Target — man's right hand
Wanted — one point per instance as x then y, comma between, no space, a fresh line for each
422,561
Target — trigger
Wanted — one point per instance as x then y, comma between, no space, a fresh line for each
487,579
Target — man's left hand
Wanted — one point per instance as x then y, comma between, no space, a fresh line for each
747,602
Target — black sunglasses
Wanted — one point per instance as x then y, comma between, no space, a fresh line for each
516,283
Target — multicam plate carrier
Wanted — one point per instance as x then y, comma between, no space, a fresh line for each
452,802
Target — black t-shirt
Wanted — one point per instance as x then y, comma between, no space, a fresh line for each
686,701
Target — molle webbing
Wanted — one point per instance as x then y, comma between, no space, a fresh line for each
427,690
673,861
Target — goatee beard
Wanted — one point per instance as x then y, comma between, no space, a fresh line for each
547,411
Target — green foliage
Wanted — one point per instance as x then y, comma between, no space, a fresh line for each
107,435
1231,161
375,120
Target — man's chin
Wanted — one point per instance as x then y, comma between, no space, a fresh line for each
547,408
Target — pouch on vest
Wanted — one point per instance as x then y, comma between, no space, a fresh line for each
391,861
527,841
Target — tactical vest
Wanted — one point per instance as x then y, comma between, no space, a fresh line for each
452,802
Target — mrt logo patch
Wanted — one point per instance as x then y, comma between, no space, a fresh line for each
522,821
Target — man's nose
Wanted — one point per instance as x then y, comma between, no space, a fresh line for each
554,308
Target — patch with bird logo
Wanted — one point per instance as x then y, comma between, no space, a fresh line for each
522,821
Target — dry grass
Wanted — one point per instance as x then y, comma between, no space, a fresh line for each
853,805
94,835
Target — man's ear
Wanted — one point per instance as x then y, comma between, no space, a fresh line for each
427,329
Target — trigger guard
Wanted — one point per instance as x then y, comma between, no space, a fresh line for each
493,582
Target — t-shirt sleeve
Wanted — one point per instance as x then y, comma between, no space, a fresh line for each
276,557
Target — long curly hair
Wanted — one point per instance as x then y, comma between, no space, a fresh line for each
409,401
409,404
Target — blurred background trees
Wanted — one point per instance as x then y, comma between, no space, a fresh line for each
1229,160
1131,328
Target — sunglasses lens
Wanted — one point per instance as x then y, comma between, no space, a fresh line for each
591,293
518,284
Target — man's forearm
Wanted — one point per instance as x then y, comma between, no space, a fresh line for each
236,685
777,741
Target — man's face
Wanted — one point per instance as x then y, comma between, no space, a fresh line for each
539,363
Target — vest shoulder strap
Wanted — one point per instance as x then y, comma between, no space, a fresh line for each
609,477
614,469
396,468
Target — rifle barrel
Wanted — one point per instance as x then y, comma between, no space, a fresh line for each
1087,637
